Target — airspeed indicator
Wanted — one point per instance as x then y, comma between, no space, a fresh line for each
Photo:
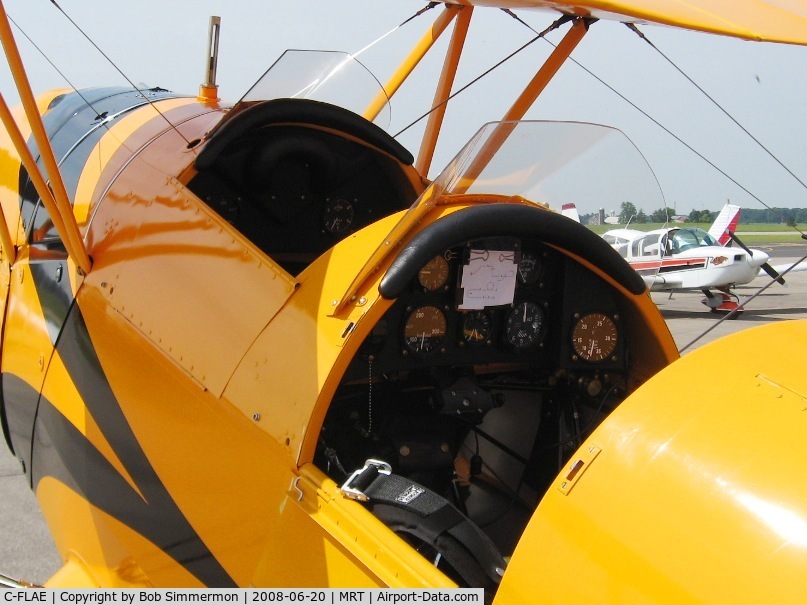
424,329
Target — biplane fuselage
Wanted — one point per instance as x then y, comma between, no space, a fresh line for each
274,295
184,313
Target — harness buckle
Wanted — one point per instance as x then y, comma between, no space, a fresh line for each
356,492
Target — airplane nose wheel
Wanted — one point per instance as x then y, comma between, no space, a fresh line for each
724,303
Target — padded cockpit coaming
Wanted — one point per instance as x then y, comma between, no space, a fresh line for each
297,176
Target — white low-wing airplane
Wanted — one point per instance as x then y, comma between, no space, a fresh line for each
689,258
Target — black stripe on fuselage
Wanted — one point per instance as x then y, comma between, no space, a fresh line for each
58,449
49,272
62,452
74,128
688,267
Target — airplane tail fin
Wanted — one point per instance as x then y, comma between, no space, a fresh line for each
570,211
725,224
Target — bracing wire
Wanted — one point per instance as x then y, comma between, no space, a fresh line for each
114,65
641,35
52,64
659,124
428,7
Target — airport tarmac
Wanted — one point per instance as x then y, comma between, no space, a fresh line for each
27,550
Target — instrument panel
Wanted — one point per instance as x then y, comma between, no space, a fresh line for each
501,301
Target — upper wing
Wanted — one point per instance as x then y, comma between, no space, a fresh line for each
762,20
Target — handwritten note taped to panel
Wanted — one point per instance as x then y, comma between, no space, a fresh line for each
489,279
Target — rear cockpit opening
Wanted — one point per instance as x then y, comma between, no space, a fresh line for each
297,176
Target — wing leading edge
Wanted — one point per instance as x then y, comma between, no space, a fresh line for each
759,20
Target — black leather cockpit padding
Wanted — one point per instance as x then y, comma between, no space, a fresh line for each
503,220
306,113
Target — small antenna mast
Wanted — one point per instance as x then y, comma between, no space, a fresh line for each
209,90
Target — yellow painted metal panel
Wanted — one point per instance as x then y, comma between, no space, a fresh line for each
220,471
186,253
90,185
107,556
697,494
26,330
343,544
281,387
60,391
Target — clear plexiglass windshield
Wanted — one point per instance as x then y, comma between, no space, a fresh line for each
332,77
691,237
555,163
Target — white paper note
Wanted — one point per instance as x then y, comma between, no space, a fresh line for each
489,279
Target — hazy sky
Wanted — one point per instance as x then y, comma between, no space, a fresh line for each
764,86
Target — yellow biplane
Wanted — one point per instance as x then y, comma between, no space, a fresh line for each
252,344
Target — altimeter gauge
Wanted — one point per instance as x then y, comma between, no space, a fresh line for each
594,337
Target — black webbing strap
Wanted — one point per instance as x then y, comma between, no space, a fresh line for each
429,517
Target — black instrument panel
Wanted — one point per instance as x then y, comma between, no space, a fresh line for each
560,315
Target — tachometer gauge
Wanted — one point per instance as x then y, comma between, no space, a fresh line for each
476,327
594,337
424,329
522,326
434,274
338,216
529,268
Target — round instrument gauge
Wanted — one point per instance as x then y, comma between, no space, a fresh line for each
424,329
434,274
338,216
594,337
529,268
522,326
476,327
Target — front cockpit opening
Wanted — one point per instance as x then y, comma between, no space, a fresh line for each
497,359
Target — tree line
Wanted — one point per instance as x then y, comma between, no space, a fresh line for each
790,216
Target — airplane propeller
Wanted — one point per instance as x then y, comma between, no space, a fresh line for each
765,266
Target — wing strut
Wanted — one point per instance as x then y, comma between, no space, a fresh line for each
530,93
408,65
443,91
427,200
54,197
